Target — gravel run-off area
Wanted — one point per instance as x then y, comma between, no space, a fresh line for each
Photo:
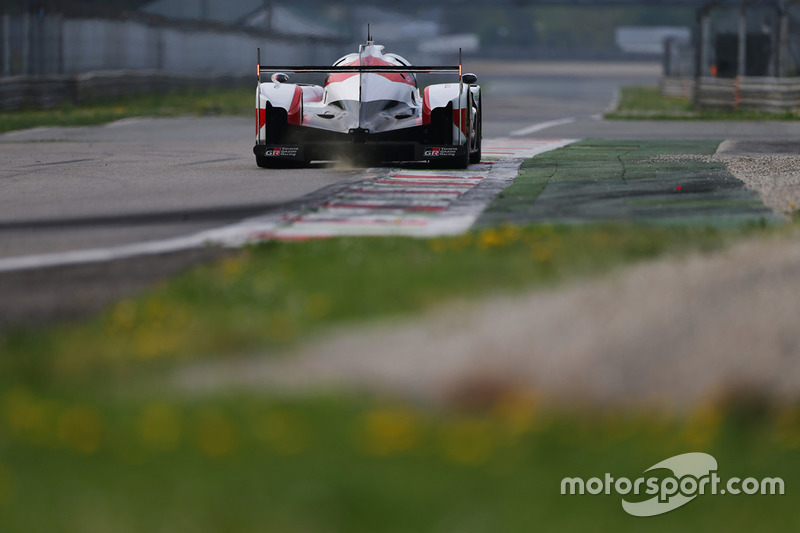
774,175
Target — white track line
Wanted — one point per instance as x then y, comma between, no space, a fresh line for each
542,126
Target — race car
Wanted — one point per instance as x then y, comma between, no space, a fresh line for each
370,109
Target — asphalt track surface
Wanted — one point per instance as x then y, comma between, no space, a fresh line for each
64,189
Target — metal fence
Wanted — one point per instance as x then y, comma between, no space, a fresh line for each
765,94
748,58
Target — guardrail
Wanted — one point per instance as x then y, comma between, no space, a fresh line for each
47,92
677,86
760,93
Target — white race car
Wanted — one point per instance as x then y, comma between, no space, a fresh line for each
369,109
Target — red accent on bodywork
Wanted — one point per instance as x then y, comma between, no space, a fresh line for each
261,119
371,61
295,111
426,106
463,122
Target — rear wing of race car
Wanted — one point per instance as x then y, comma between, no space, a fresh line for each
361,68
369,69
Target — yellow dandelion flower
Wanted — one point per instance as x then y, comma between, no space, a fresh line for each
657,422
155,310
599,238
148,342
123,316
437,245
389,431
468,441
159,427
215,433
617,425
281,328
510,233
517,410
490,238
318,305
702,426
461,242
542,253
232,266
786,427
6,484
80,428
31,419
283,432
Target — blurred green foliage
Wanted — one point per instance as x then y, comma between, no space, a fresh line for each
228,102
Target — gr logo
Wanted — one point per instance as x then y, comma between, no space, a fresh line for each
440,151
282,151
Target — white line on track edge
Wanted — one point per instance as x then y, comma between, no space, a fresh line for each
542,126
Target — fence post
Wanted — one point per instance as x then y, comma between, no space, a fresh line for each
741,67
701,31
26,43
6,45
667,57
783,39
60,43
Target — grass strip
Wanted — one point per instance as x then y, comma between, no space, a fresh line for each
647,103
256,463
269,296
238,102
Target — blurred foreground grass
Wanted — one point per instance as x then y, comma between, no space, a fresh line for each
244,463
266,297
95,437
647,103
237,102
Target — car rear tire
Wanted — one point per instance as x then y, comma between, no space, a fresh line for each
475,157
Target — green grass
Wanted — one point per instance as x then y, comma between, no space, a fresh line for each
257,463
271,295
647,103
201,103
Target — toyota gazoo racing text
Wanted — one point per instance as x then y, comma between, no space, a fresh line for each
370,108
